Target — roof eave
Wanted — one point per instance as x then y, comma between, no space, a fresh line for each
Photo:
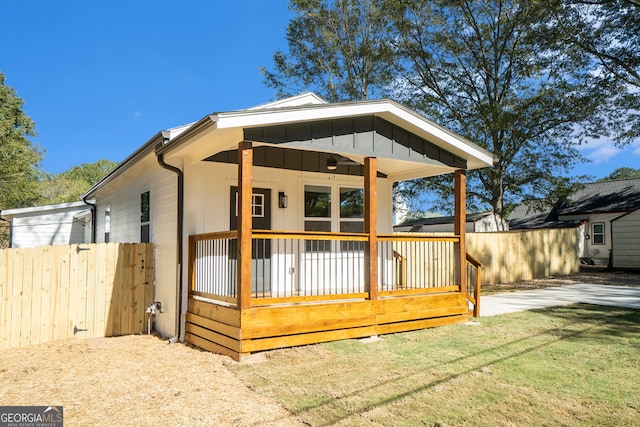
198,127
145,149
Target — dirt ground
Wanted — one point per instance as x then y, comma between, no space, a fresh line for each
142,380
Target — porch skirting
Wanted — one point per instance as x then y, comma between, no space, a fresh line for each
239,332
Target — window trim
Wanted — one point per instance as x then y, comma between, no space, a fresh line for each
257,203
594,233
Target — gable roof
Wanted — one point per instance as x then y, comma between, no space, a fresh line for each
619,195
414,137
307,98
409,139
526,217
613,196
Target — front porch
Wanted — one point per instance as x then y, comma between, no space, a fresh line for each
300,295
264,273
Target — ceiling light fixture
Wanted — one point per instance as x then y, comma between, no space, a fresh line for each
332,163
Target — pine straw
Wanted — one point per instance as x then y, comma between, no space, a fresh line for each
133,380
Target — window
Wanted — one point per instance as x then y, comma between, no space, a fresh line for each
317,215
257,205
320,214
145,217
107,223
317,208
598,234
351,216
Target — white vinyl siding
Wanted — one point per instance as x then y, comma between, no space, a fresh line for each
55,227
122,197
626,240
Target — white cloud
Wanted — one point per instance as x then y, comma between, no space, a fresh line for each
599,150
138,113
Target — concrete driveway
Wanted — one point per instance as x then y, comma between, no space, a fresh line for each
617,296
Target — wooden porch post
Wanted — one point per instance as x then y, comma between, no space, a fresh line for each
245,185
459,227
370,225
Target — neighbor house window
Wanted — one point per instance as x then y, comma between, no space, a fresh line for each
145,216
107,223
598,234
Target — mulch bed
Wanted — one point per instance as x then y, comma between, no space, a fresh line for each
135,380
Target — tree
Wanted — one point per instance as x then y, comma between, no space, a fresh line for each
609,31
19,157
494,71
336,48
490,71
622,173
72,183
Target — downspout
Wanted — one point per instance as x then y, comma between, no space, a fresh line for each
93,218
10,229
180,219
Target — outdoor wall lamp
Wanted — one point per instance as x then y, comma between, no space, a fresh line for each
283,200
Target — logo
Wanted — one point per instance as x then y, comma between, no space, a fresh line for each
31,416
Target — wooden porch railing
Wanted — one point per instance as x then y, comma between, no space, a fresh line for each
290,266
419,263
474,271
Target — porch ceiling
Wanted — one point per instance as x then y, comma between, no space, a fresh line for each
293,159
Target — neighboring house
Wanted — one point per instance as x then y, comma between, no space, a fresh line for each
64,223
625,235
266,220
593,207
476,223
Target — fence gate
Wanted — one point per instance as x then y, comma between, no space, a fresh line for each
90,291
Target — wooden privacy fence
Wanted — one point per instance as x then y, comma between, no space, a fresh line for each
90,291
523,254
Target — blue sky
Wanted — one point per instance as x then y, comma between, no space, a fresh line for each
100,78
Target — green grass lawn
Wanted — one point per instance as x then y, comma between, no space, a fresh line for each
562,366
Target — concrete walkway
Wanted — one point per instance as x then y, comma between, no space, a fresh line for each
617,296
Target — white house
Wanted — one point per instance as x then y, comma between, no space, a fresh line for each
64,223
476,223
593,207
318,175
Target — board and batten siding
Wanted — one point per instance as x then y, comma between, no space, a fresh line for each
626,240
122,197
